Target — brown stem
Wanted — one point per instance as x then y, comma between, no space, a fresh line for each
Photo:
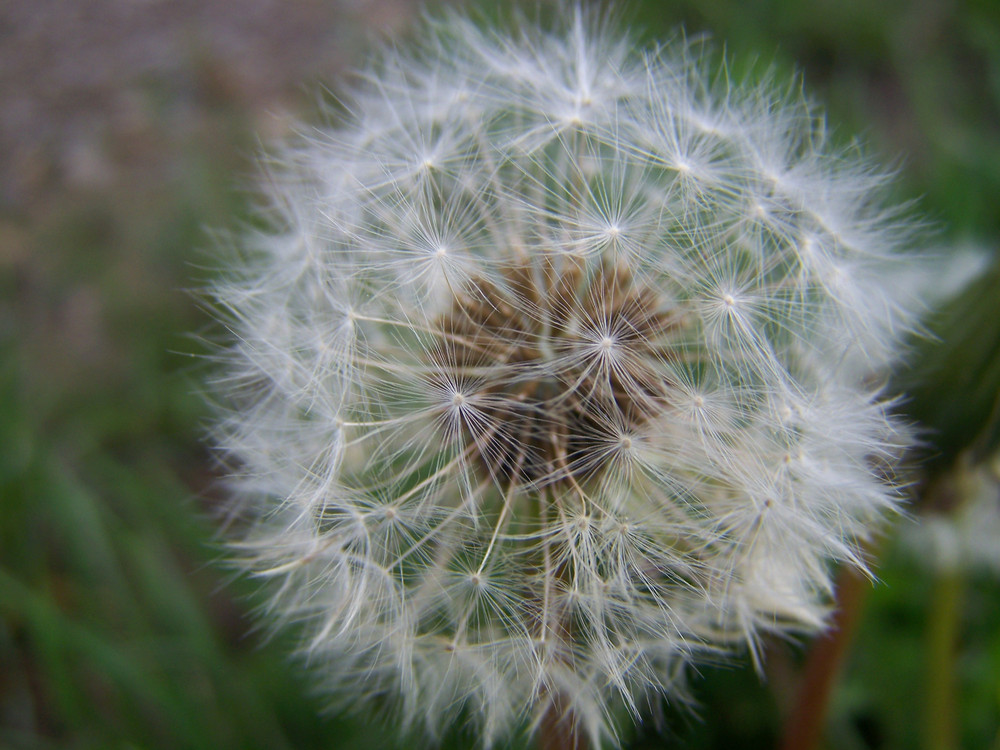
804,725
559,730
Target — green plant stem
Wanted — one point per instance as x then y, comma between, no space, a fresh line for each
942,634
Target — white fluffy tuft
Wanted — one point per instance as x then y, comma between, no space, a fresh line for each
553,375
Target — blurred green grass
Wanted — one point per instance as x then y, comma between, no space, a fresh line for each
119,627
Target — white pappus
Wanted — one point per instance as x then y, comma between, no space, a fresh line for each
557,371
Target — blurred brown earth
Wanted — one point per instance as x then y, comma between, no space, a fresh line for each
90,88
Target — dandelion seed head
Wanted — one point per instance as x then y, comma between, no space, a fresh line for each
552,375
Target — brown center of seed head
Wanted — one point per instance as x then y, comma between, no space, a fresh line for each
563,364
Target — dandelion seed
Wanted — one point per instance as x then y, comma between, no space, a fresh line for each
553,376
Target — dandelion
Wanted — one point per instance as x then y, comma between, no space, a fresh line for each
966,535
557,371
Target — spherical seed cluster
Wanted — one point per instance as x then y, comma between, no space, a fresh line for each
555,373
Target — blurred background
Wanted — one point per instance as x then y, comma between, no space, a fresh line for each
129,131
